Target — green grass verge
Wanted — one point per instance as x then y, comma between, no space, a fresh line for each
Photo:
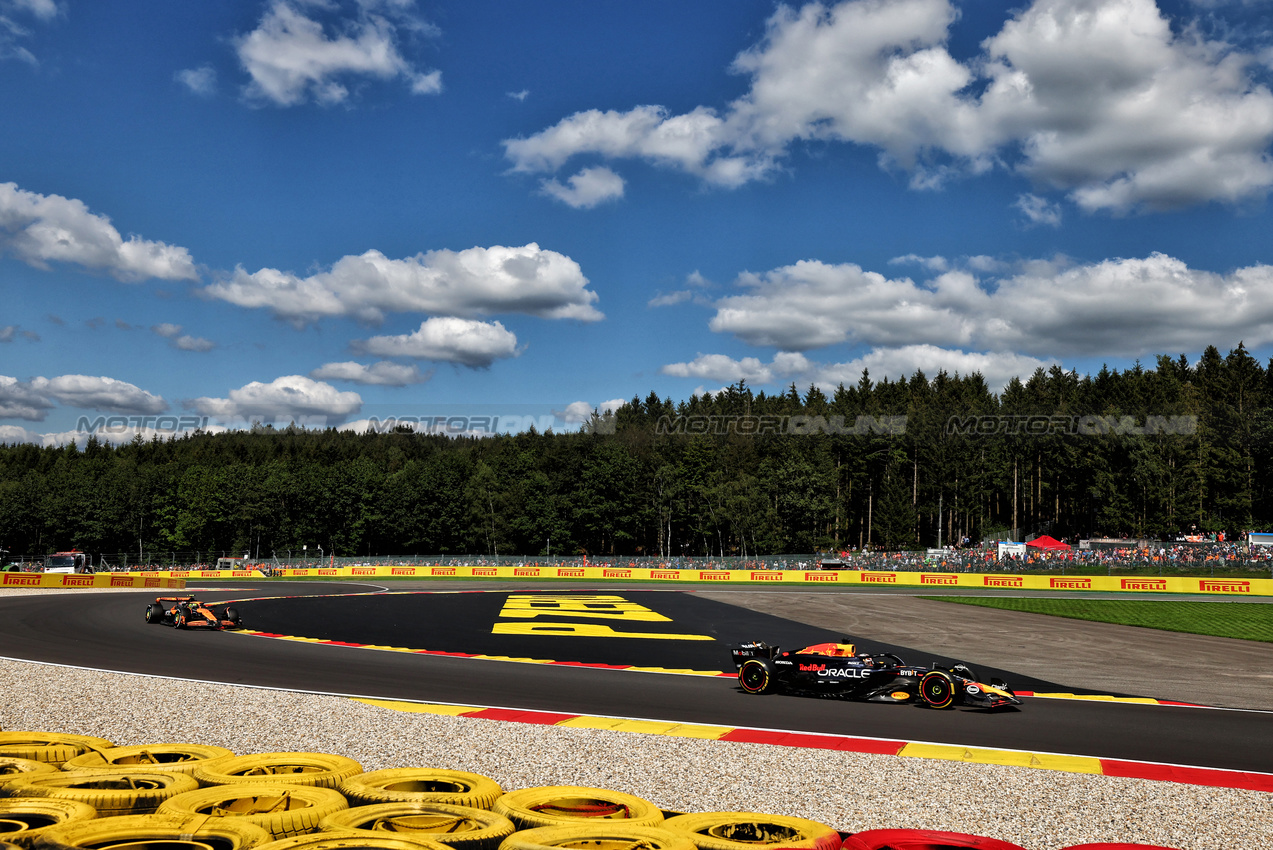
1245,621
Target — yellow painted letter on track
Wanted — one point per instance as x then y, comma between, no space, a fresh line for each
584,630
577,606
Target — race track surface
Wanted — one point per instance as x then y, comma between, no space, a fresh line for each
107,631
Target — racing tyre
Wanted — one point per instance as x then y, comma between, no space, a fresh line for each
232,614
154,614
598,836
569,805
922,839
171,832
747,831
756,676
938,689
458,827
12,767
49,747
112,794
24,820
284,811
321,769
178,620
353,841
422,785
150,758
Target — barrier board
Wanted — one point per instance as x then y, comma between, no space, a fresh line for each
92,580
935,580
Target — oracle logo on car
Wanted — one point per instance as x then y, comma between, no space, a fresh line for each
1225,585
1143,583
1070,583
879,578
767,576
1004,581
935,578
616,573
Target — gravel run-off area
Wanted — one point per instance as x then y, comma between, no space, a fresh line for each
1036,809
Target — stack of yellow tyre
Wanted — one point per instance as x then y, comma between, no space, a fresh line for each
194,797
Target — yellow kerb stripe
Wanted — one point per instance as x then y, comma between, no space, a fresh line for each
1070,764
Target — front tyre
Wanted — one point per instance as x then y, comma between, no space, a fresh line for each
938,689
756,676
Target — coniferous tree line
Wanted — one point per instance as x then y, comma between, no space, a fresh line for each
804,472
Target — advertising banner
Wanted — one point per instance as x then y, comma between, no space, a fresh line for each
88,580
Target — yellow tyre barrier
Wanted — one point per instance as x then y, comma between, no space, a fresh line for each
321,769
562,805
49,747
171,832
13,767
24,820
422,785
353,841
459,827
151,758
112,794
598,836
748,831
284,811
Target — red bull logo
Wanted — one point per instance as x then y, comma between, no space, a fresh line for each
879,578
1070,583
812,668
1223,585
938,578
1143,583
766,576
1004,581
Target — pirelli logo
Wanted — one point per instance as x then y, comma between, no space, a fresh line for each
938,578
1219,585
362,571
328,572
616,573
1143,583
209,573
667,574
440,571
713,575
85,581
570,572
526,571
766,576
404,571
241,573
879,578
1070,583
20,580
821,576
153,582
121,581
1004,581
485,571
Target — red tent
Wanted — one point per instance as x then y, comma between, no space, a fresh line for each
1048,543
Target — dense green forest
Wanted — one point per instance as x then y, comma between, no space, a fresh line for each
1142,452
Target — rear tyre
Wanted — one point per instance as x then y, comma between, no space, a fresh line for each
232,614
154,614
938,689
756,676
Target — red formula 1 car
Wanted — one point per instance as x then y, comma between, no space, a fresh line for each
837,669
187,612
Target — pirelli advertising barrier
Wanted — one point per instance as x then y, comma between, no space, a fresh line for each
853,578
91,580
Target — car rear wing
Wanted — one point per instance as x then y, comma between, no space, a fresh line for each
754,649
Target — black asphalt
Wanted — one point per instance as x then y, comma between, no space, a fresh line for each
107,631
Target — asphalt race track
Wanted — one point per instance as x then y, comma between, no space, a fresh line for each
657,629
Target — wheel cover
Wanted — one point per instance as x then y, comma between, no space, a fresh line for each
938,690
753,677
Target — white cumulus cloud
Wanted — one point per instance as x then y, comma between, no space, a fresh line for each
201,81
288,397
589,187
383,373
474,282
449,340
19,400
99,393
292,57
43,229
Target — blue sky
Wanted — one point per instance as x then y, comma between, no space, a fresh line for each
326,211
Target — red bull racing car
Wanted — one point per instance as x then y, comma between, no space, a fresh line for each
187,612
837,669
